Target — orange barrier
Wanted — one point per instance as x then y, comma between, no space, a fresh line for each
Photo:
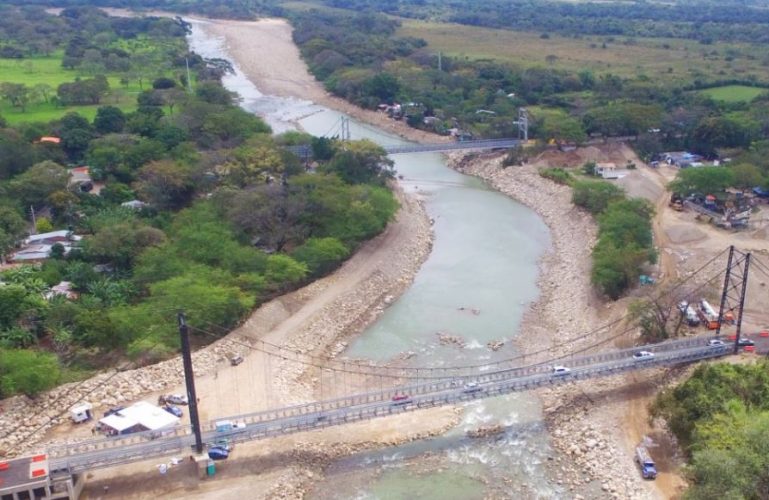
764,333
749,348
732,337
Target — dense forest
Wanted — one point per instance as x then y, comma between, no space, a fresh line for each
190,204
708,21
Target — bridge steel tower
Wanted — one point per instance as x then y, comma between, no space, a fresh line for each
735,287
189,379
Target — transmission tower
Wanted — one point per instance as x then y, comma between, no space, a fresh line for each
345,129
523,124
733,295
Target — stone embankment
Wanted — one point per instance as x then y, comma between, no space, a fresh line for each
29,419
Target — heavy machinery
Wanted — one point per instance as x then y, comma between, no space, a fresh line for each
676,202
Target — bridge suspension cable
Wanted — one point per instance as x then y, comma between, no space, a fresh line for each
410,372
433,373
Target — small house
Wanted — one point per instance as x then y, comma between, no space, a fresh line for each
37,247
606,170
134,204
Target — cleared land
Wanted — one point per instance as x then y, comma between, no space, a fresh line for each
734,93
658,58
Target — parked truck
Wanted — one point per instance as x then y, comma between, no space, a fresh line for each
645,462
708,315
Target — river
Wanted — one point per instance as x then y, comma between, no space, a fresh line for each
475,285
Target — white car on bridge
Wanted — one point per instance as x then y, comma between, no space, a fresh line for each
643,356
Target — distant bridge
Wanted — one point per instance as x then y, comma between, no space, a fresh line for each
305,151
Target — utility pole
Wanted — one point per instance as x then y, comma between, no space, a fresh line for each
34,222
440,61
523,124
189,79
189,378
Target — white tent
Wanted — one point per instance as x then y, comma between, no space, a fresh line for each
141,416
149,416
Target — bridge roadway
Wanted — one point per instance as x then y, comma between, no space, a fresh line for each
105,452
304,150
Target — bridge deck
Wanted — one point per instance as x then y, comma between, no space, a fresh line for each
97,453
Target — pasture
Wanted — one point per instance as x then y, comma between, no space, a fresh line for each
734,93
43,74
672,60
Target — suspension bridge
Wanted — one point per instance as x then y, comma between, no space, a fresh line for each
341,130
92,454
305,151
412,388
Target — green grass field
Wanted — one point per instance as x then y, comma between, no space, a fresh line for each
48,70
734,93
656,58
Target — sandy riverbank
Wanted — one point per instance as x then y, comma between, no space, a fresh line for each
265,52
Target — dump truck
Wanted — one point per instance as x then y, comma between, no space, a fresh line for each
645,462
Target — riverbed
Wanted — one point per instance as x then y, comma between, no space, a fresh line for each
475,287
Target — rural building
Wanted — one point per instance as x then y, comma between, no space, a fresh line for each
139,417
606,170
134,204
29,477
37,247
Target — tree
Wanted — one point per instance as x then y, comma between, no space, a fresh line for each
213,93
17,94
361,162
256,162
42,92
16,153
702,180
27,372
43,225
273,213
12,227
384,86
658,314
109,119
14,302
119,244
35,185
282,271
165,184
747,175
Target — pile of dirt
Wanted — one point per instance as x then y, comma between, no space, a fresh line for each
684,233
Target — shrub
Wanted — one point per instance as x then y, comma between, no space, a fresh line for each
557,175
321,255
27,372
595,196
